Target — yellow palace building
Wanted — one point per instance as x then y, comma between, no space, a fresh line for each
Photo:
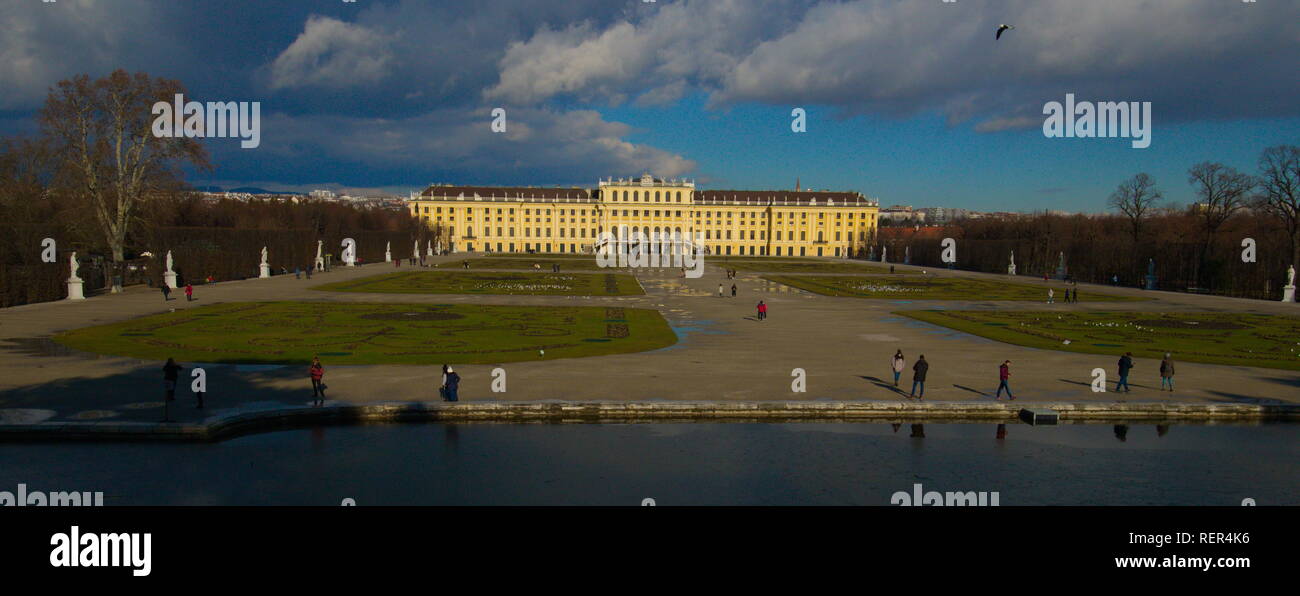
571,220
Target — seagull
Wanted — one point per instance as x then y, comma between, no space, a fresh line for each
1002,28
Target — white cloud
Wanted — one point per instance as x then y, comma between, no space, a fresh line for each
43,43
334,54
543,141
1193,58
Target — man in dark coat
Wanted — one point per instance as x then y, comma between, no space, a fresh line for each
1125,365
918,377
453,385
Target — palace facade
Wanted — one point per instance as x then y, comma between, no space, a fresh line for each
571,220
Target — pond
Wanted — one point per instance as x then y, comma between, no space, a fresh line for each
680,464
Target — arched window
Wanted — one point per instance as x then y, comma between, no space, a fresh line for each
656,196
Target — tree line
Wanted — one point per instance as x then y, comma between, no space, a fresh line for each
1237,239
97,181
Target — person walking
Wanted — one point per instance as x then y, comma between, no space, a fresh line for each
1004,378
167,292
309,270
1125,365
897,364
297,272
189,292
733,290
720,291
317,373
1067,296
762,310
919,371
1050,295
1167,373
453,385
1075,296
171,371
442,387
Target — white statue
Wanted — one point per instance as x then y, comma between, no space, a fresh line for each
318,245
264,270
169,260
264,255
429,249
416,254
75,291
884,254
1288,292
388,251
1011,269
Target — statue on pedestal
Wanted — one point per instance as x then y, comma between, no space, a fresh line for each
388,251
75,290
1288,292
320,261
1011,268
169,276
265,267
907,255
884,254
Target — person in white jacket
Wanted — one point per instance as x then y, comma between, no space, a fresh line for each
898,365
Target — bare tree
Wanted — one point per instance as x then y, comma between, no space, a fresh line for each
100,132
1135,198
1279,191
1222,191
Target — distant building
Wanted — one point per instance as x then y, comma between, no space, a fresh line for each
322,194
570,220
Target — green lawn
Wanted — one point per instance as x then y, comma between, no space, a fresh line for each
775,265
359,333
918,287
588,264
1215,338
480,282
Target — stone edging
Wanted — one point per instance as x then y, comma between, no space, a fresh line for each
221,427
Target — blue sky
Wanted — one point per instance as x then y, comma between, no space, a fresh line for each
910,101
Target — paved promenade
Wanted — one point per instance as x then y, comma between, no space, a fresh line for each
723,355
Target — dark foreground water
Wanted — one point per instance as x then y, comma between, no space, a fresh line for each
675,464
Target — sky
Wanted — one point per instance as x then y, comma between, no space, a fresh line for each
911,102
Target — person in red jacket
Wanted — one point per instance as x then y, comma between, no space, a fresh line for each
317,373
189,292
762,310
1004,376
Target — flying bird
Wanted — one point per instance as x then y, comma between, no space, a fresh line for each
1002,28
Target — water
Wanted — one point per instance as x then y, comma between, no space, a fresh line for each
701,463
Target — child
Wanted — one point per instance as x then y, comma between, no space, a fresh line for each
317,373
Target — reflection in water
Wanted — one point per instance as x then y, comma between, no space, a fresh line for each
1162,430
1002,432
811,463
451,439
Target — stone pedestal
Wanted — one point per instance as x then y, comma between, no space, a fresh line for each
1011,269
1288,293
388,257
266,271
75,291
169,278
